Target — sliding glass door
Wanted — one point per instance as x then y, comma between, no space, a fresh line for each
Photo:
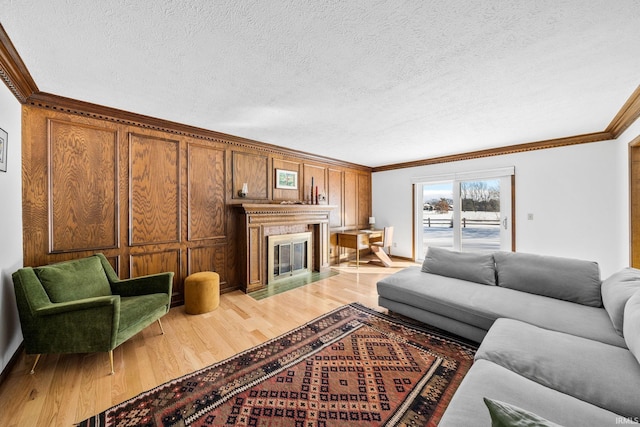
480,216
464,212
437,215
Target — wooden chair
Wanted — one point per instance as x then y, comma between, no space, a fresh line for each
377,247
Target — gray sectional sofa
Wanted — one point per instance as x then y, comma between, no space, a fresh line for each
558,345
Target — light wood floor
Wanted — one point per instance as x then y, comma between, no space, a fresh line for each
70,388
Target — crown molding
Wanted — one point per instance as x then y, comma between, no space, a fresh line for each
511,149
628,114
13,71
87,109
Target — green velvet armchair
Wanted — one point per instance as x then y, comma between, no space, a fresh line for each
81,306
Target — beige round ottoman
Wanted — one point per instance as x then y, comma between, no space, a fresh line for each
201,292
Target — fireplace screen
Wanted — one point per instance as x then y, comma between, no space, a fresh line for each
289,255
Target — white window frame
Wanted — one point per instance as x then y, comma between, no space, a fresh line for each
504,174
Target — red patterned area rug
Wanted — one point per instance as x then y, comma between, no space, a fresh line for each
351,367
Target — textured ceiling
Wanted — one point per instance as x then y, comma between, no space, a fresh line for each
369,82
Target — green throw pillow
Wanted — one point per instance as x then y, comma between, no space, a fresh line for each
74,280
505,415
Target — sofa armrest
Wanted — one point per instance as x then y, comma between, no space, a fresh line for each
160,283
82,326
30,294
83,304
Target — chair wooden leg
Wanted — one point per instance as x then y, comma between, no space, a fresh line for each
33,368
161,328
386,261
111,362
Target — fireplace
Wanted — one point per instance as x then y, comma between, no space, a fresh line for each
260,223
288,255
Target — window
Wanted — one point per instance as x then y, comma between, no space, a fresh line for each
468,211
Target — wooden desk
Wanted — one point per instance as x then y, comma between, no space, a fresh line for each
358,239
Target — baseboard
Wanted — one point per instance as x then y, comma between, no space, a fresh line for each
12,362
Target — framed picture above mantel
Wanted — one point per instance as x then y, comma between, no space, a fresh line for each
286,179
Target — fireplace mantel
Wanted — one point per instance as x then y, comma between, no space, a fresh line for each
282,208
260,220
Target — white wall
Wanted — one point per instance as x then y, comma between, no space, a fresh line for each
579,196
10,225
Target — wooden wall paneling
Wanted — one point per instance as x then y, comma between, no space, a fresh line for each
364,200
123,252
350,200
35,199
40,235
335,196
149,180
206,213
252,169
280,194
114,260
151,262
210,258
154,187
83,187
350,209
318,173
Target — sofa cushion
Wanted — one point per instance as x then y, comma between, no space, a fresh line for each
486,379
603,375
616,290
139,311
562,278
74,280
471,266
481,305
632,325
505,415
